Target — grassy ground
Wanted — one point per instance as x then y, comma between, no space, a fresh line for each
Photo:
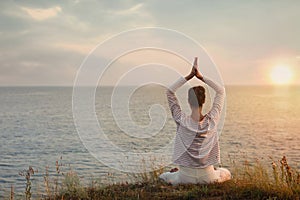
250,181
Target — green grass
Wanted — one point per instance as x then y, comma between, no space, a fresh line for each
250,181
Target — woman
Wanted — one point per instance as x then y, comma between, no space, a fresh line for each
196,147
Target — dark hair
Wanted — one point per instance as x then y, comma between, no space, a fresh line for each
196,96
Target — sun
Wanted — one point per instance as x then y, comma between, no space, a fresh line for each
281,75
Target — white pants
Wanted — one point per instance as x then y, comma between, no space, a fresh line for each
196,175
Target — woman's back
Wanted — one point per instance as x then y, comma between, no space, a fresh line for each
196,147
196,143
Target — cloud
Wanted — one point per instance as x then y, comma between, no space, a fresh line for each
40,38
50,52
132,10
83,49
42,14
39,66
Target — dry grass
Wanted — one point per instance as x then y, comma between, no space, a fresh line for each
250,181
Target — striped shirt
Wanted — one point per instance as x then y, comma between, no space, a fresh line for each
196,143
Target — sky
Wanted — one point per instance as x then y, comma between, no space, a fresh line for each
45,42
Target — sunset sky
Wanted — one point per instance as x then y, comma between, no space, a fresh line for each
44,42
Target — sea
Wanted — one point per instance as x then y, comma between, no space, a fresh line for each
37,130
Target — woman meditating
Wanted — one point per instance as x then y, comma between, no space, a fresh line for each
196,147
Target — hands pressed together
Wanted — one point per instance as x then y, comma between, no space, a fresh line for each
195,71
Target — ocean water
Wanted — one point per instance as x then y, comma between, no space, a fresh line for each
37,128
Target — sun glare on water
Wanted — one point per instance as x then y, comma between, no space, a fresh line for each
281,75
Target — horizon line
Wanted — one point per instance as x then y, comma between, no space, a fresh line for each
226,85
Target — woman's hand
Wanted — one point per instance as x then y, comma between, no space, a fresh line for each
197,73
194,70
195,65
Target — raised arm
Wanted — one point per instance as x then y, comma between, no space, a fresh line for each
172,99
219,99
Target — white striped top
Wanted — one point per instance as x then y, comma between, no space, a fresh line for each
196,143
